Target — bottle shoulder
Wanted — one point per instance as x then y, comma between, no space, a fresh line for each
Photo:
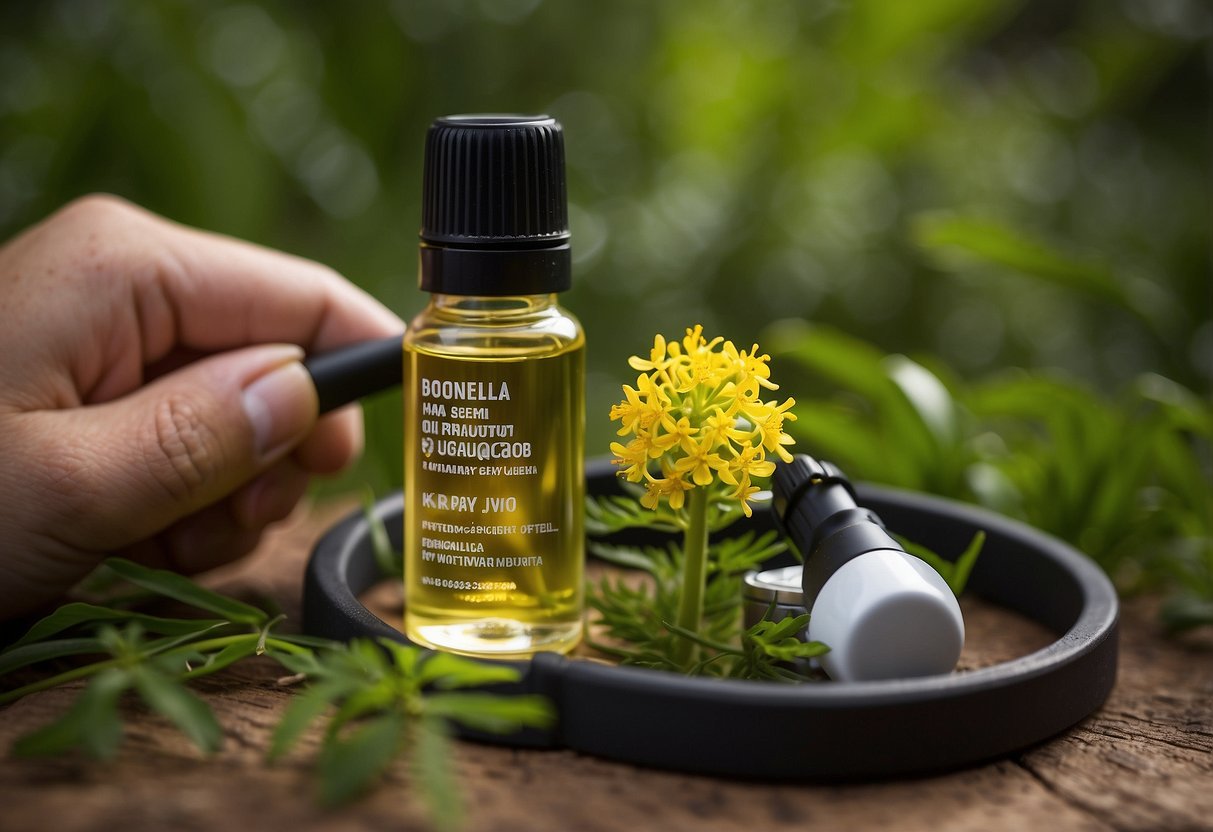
549,331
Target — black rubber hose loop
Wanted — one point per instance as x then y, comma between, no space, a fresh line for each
826,731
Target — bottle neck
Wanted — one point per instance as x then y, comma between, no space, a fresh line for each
493,307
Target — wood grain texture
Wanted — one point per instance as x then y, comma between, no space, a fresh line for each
1144,761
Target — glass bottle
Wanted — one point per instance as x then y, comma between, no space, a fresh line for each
494,398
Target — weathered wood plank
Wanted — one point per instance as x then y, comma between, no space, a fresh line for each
1144,760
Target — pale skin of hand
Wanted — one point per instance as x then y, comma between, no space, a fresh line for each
152,400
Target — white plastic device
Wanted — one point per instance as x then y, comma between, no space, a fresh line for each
884,613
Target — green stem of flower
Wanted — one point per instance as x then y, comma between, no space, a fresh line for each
694,567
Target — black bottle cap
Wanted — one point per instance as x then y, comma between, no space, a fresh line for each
494,217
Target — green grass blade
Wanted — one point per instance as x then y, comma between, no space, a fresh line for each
389,561
92,724
928,396
229,655
767,630
995,243
490,712
181,588
77,613
447,671
964,563
172,700
940,564
1187,612
348,767
647,559
845,438
17,657
434,775
305,663
790,649
308,641
305,708
847,361
736,555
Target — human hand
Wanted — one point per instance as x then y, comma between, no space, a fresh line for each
152,399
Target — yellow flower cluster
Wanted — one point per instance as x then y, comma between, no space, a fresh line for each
697,417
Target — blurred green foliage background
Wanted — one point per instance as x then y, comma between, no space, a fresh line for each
980,184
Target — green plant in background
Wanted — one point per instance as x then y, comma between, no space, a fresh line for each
700,436
1127,481
729,162
389,699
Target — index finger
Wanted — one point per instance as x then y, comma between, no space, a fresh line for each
208,292
224,293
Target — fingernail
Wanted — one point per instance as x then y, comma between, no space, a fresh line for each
281,407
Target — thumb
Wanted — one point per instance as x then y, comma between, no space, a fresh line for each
185,441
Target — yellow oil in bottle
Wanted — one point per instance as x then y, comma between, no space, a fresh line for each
494,478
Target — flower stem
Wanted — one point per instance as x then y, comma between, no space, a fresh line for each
694,567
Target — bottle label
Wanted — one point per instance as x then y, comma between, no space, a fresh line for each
494,482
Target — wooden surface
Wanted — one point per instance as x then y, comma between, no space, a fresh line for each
1144,761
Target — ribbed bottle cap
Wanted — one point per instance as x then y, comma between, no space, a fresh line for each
494,217
494,179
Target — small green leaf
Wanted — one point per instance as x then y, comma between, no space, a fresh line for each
964,564
75,614
489,712
304,709
435,776
842,436
389,561
363,701
364,656
405,656
230,654
941,565
1186,409
309,641
613,513
349,766
1011,248
1187,612
651,559
92,724
847,361
171,699
789,649
181,588
777,630
928,396
160,645
955,574
305,663
447,671
737,555
17,657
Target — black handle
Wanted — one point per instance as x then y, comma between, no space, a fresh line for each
347,374
818,731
